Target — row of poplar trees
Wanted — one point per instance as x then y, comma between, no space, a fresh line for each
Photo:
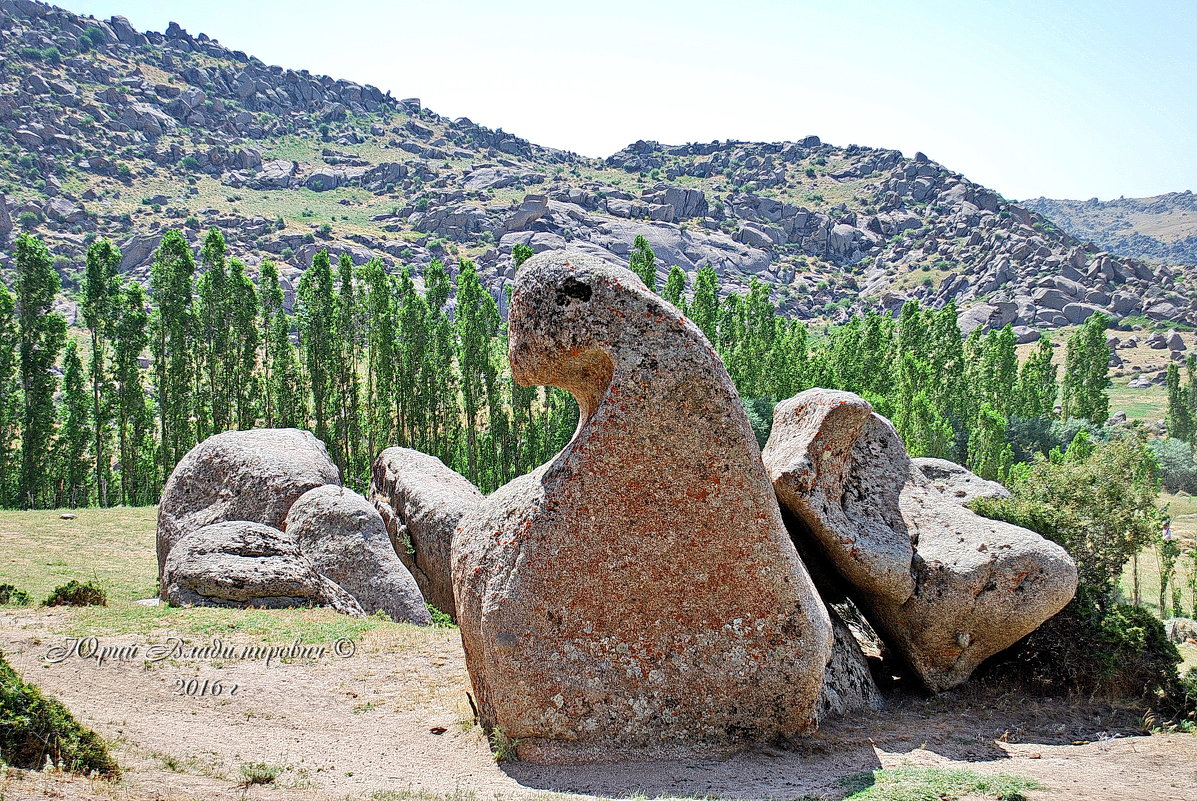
366,359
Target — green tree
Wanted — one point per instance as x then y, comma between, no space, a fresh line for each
99,304
283,397
477,318
1036,390
214,317
172,279
244,375
10,397
42,333
1086,372
74,431
355,461
316,310
675,285
520,253
134,417
989,454
644,262
704,308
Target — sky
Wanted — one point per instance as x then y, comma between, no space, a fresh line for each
1050,98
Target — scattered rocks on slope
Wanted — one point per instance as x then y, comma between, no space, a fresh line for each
614,604
240,564
944,587
421,501
240,475
344,537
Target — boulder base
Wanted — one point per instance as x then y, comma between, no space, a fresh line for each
242,564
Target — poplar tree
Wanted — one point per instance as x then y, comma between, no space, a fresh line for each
241,361
477,322
316,310
1086,372
42,333
283,397
989,454
355,463
10,397
99,304
381,345
172,277
644,262
704,308
1036,390
133,416
675,286
74,431
214,317
1179,419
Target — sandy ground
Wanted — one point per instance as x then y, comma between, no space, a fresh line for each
392,722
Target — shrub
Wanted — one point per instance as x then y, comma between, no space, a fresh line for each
1098,502
326,230
1178,469
28,219
74,593
34,727
189,162
11,596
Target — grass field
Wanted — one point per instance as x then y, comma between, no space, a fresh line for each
115,548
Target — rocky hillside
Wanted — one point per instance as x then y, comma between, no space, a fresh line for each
1161,229
108,130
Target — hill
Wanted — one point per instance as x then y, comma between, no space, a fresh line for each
1161,229
106,130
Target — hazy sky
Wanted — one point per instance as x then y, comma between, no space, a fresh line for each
1048,97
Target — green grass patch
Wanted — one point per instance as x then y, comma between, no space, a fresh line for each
1150,403
935,784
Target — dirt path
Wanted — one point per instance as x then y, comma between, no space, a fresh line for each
392,722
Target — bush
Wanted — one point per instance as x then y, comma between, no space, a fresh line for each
34,727
74,593
1098,502
189,162
1178,469
11,596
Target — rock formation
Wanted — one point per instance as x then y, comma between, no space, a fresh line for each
241,475
944,587
638,595
258,518
241,564
958,482
421,502
344,537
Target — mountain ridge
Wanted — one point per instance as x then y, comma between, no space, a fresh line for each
107,130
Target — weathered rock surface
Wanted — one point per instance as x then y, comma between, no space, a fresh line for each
958,482
637,596
240,475
344,537
421,501
848,685
944,587
240,564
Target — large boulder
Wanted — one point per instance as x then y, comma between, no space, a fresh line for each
638,596
344,537
241,564
958,482
421,502
240,475
944,587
